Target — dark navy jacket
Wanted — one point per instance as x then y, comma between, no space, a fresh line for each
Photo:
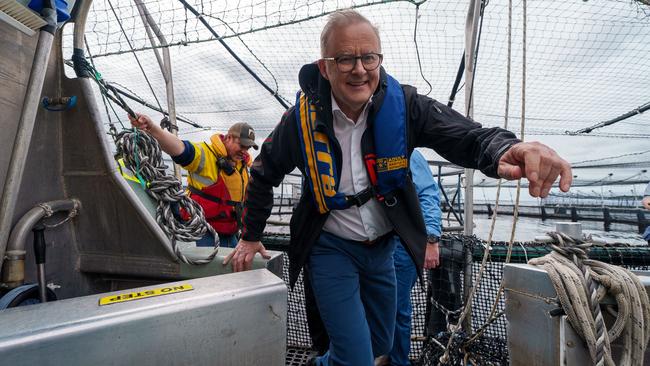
429,124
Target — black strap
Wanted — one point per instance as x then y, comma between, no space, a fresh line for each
360,198
212,198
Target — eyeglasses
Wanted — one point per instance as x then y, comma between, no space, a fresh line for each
369,61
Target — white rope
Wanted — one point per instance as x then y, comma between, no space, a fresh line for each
581,283
466,309
493,312
515,213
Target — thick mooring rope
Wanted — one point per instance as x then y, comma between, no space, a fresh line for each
143,156
581,283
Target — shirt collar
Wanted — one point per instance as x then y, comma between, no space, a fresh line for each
337,110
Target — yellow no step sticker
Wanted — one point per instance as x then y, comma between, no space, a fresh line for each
114,299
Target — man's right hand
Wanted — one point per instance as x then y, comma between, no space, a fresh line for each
143,122
537,162
243,254
169,143
646,202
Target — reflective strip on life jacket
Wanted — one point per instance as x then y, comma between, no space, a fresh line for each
387,166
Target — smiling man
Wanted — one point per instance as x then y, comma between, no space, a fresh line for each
217,174
351,133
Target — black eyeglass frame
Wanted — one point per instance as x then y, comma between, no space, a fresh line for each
355,58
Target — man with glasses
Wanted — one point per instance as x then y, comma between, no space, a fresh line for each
217,174
351,133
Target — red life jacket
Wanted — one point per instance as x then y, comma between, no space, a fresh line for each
222,200
220,211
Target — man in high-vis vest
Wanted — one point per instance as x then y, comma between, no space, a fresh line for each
351,133
217,173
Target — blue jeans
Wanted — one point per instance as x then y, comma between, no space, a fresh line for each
225,241
354,287
406,277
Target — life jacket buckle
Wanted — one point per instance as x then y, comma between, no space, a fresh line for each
390,201
360,198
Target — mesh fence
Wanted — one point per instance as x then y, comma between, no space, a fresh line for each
585,63
437,302
585,60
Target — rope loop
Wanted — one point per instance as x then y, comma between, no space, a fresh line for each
582,283
142,154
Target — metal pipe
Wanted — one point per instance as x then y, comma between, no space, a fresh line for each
165,64
13,272
80,23
451,229
471,37
622,117
78,40
444,194
18,159
137,99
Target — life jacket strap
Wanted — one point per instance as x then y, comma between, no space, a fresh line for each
360,198
212,198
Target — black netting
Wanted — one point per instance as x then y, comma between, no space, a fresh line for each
443,287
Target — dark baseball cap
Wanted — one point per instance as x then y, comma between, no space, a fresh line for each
245,133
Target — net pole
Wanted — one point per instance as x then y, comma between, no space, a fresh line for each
153,32
471,37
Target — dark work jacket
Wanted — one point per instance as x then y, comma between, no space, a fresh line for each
429,124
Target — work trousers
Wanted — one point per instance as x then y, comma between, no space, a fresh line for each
225,241
406,276
354,287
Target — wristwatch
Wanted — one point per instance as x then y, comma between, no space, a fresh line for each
432,239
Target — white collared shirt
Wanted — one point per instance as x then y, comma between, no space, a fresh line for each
369,221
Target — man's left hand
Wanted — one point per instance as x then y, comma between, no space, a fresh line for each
432,256
243,254
537,162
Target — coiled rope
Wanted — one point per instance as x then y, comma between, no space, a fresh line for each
143,156
581,283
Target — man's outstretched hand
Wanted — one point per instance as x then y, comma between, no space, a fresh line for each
243,254
646,202
537,162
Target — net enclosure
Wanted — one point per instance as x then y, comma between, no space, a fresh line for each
587,61
586,64
437,299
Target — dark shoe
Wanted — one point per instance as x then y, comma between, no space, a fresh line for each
312,361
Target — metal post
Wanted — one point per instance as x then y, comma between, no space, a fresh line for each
574,214
607,219
23,139
571,229
641,220
471,38
458,194
165,67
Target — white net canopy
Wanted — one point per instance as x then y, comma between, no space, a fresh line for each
586,61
